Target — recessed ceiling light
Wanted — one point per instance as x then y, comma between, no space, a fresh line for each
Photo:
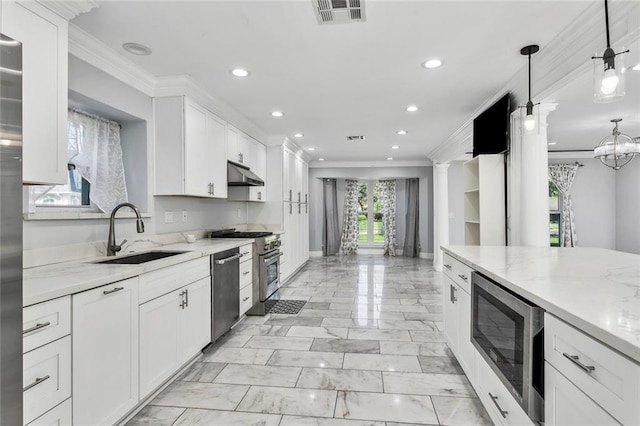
402,132
320,159
239,72
395,147
389,158
298,135
312,149
412,108
636,67
552,143
277,113
137,49
432,63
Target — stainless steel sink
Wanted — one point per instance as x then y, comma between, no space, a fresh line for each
136,259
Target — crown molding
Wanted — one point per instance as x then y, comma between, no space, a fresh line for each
69,9
96,53
565,57
368,164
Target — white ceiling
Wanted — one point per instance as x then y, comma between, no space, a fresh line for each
348,79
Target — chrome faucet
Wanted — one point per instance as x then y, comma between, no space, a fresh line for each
112,247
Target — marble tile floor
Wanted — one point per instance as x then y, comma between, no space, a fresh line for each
366,350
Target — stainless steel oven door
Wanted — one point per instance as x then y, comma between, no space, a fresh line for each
269,274
503,329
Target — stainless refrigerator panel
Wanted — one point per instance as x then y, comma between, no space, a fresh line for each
10,231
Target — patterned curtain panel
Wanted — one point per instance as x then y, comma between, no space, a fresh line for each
412,231
349,239
562,176
330,224
387,191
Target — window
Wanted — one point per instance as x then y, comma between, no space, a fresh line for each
75,193
370,213
555,215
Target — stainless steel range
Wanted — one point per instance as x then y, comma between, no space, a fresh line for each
266,266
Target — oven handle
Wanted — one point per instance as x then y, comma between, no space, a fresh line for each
271,258
228,259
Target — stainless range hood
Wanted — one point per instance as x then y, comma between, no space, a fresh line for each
240,175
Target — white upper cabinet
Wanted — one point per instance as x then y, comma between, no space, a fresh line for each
233,148
43,35
251,153
190,148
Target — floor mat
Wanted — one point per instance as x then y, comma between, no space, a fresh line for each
287,307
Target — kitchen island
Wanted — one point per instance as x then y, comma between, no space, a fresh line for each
591,299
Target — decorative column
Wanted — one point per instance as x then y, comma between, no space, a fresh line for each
528,188
440,212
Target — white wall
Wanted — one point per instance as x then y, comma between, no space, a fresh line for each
362,173
456,203
89,82
594,203
627,204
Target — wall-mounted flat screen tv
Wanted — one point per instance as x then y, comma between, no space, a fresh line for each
491,128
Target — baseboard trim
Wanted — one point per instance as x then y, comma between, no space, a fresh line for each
399,252
315,253
425,255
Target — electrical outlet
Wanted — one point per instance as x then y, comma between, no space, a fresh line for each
184,215
168,217
239,212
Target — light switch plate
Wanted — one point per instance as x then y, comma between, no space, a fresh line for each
168,217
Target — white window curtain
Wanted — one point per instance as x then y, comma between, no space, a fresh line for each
387,191
95,149
350,233
562,176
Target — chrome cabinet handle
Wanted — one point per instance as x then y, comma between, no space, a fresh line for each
503,413
290,208
306,198
246,273
36,383
299,196
448,267
244,253
260,195
241,157
36,327
228,259
576,360
306,208
290,196
452,294
182,303
299,208
245,299
464,277
112,291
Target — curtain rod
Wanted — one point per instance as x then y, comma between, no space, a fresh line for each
94,116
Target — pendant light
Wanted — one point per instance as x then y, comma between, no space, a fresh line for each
608,77
617,149
529,120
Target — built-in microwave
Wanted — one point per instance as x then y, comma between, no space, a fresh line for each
508,332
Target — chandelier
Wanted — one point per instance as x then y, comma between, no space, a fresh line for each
617,149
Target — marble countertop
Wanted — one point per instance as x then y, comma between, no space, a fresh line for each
595,290
61,279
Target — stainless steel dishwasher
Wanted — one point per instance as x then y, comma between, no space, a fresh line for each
225,291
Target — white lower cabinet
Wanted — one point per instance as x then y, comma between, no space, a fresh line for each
457,314
565,404
60,415
173,328
105,352
46,378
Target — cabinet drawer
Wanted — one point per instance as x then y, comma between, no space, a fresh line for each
195,270
45,322
245,273
58,416
458,272
247,253
603,374
565,404
156,283
246,299
496,397
46,379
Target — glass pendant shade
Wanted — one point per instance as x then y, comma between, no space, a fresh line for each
608,77
617,149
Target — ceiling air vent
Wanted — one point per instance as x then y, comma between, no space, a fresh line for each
335,11
355,138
